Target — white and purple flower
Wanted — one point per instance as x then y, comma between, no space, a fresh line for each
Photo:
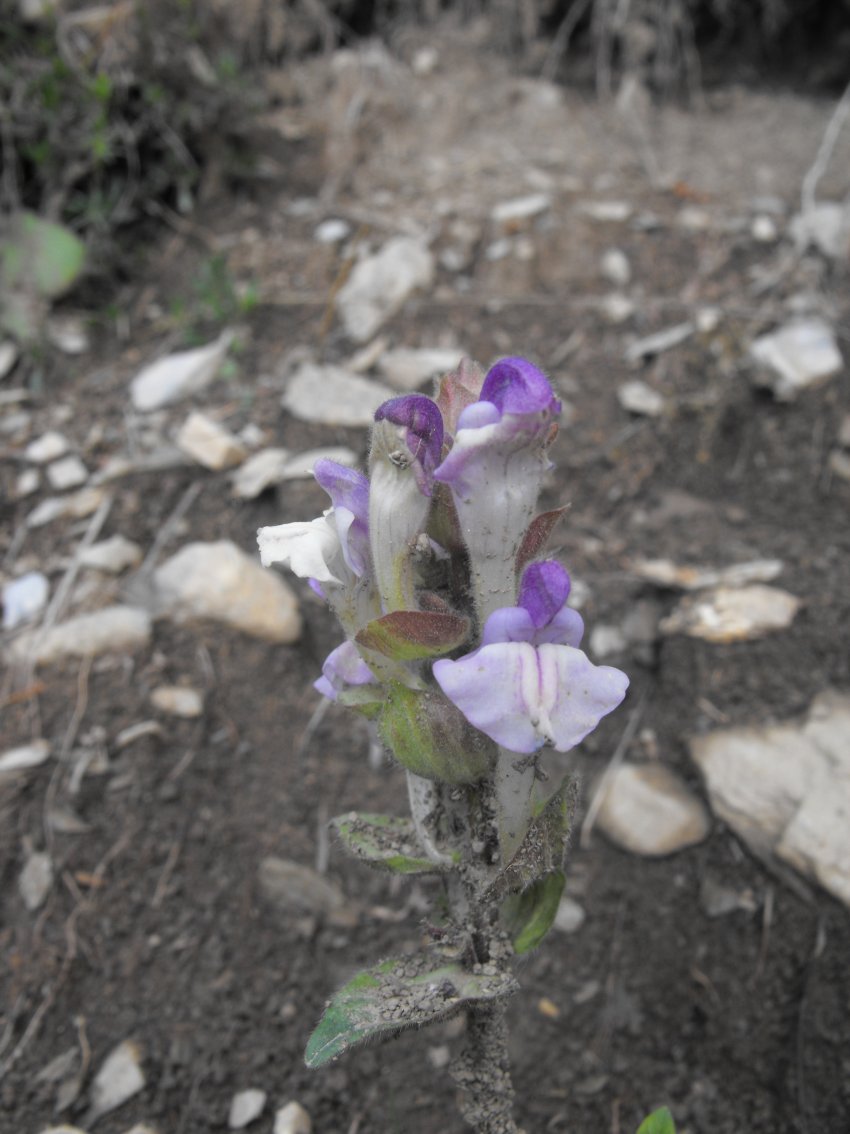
528,684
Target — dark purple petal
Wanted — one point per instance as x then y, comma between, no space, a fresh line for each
423,425
346,487
514,385
543,590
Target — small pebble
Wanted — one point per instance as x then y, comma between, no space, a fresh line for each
245,1107
48,447
292,1119
69,472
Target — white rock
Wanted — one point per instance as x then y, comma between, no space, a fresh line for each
380,284
423,64
825,226
24,598
245,1107
25,756
570,916
114,629
764,230
786,788
800,354
301,465
332,231
68,333
616,308
112,555
707,320
220,582
658,343
259,472
693,218
408,369
8,357
292,1119
27,483
606,211
69,472
330,394
615,267
666,573
209,443
178,700
733,614
639,398
118,1080
178,376
510,213
46,448
36,879
498,249
649,811
75,506
606,641
298,889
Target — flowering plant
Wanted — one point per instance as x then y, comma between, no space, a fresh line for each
461,646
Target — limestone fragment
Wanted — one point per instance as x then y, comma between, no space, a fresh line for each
118,1080
114,629
178,376
648,810
733,614
209,443
219,581
332,395
380,284
803,353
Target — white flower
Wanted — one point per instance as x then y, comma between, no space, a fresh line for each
310,550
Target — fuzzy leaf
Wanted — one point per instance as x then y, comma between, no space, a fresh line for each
537,536
429,736
544,845
406,635
529,916
659,1122
385,842
41,254
403,993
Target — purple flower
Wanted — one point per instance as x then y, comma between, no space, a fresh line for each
421,432
343,668
407,441
528,684
495,469
349,493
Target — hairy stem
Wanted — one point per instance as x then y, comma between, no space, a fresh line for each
482,1071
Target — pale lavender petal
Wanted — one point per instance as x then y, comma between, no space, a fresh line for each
543,591
343,667
515,385
497,689
354,540
478,415
565,629
575,694
347,487
508,624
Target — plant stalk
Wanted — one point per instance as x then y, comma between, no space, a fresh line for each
482,1071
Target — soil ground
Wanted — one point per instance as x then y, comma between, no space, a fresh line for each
155,928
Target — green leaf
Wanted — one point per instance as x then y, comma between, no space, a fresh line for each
403,993
529,916
542,849
408,635
659,1122
385,842
42,255
430,736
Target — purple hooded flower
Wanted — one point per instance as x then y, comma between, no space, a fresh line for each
421,431
528,684
495,469
343,668
349,493
407,441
